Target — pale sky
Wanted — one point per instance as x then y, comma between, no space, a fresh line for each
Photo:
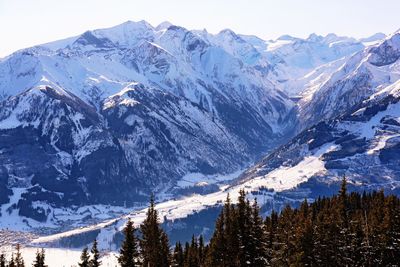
25,23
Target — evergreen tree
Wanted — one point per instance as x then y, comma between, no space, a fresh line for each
129,251
259,254
344,252
12,261
95,261
244,227
186,252
192,259
342,230
285,247
178,257
85,258
216,248
37,262
356,240
231,235
40,259
270,223
154,243
165,257
201,251
2,260
391,232
19,261
303,237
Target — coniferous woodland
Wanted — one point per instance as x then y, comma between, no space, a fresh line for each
348,229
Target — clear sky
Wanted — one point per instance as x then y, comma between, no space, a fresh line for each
24,23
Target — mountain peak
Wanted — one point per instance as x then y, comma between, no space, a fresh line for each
313,37
227,32
131,25
163,25
375,37
286,37
142,23
126,33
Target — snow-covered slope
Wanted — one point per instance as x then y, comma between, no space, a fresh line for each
362,144
354,80
130,109
91,125
291,62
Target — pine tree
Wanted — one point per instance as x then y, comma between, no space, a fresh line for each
192,259
178,257
270,223
231,235
343,230
12,261
19,261
376,234
344,251
154,243
186,251
129,251
43,257
2,260
40,259
303,237
259,254
244,227
216,248
37,262
285,247
165,257
391,232
95,261
201,250
357,236
85,258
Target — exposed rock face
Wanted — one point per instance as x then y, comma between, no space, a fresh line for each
362,75
112,115
362,144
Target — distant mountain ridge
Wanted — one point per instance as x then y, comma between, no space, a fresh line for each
129,109
112,115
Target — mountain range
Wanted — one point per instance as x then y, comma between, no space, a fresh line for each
90,126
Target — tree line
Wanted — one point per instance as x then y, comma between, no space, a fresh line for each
17,260
347,229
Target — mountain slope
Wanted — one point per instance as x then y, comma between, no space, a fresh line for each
361,144
365,73
112,115
115,114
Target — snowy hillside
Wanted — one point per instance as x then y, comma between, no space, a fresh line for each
310,165
111,115
353,81
363,145
91,125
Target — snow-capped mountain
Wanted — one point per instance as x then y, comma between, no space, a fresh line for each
111,115
362,144
292,62
353,81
